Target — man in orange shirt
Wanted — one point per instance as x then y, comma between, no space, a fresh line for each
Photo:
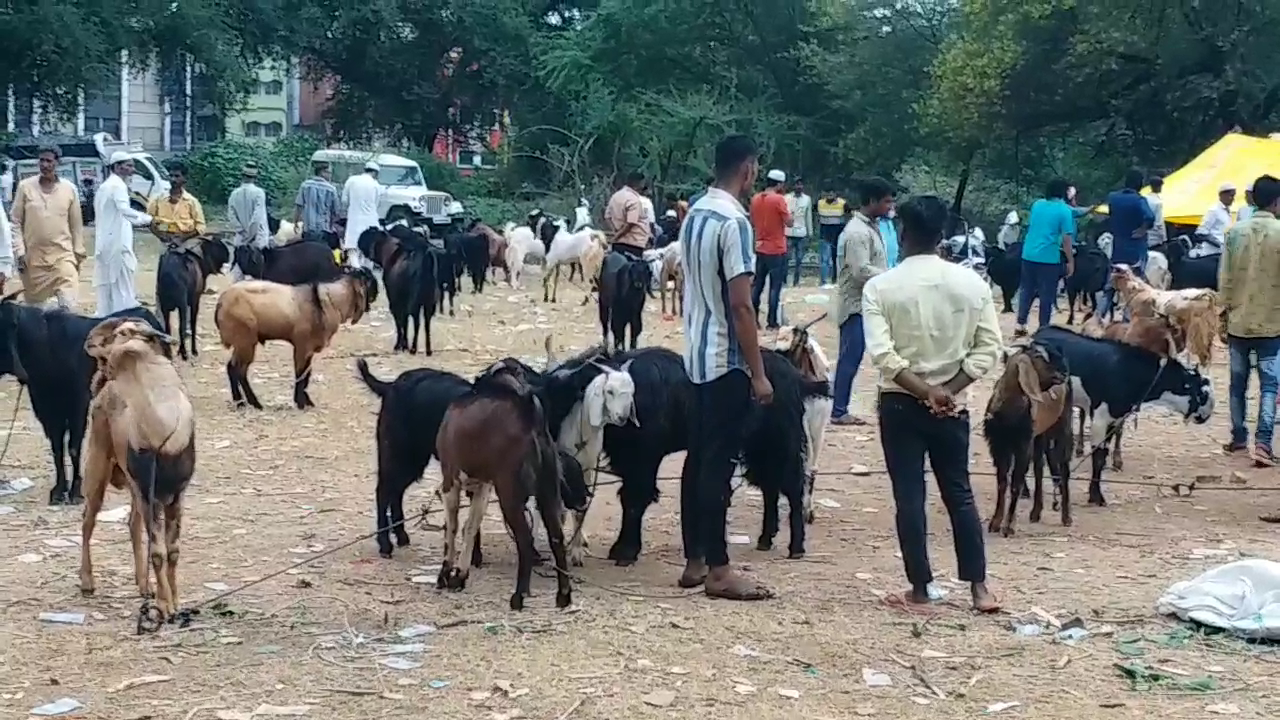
770,219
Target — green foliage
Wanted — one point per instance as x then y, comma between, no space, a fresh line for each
282,166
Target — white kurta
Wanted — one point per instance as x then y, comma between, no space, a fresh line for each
360,195
114,263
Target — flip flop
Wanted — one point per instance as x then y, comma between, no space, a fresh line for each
899,601
991,609
747,591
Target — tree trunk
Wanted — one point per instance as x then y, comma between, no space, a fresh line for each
958,201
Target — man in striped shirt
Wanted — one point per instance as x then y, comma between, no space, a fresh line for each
316,206
722,357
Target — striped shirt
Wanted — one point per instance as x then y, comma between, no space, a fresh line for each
718,247
318,201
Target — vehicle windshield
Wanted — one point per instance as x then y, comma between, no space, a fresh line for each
160,169
400,176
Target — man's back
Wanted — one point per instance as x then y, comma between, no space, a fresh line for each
1128,212
1249,277
718,246
318,199
1050,219
769,220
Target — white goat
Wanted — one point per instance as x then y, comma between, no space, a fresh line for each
567,248
803,350
522,245
1157,270
288,232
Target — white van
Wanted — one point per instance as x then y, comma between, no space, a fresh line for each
407,196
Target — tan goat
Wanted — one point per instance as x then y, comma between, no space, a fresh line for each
592,261
673,270
141,439
1194,311
251,312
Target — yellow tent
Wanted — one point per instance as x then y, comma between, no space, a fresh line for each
1193,188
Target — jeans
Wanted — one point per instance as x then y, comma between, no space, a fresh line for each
852,345
828,236
795,253
774,269
1265,349
908,430
1039,280
716,425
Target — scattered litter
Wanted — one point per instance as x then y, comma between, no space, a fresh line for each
739,539
57,707
661,698
789,693
1071,636
875,678
644,664
744,689
935,592
1001,707
414,631
281,710
510,690
681,624
480,695
395,662
828,503
7,509
230,640
30,558
678,670
144,680
1223,709
438,684
920,700
405,648
859,470
59,543
422,579
816,299
1027,629
744,651
217,586
863,576
934,654
1142,677
62,618
114,515
1200,553
13,487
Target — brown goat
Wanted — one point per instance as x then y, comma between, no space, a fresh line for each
497,436
1195,312
497,250
251,312
141,439
1029,417
672,269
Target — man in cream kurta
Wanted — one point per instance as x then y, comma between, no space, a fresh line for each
48,240
362,196
114,263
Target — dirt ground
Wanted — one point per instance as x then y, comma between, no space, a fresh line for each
273,488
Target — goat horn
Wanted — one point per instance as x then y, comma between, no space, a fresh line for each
813,322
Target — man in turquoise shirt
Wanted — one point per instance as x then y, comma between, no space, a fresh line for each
889,233
1047,242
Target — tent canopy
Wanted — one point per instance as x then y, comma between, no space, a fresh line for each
1193,188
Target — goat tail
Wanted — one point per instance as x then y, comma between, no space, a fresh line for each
376,386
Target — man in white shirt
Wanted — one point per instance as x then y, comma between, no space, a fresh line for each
1158,234
1249,208
931,331
801,227
114,262
1214,224
362,196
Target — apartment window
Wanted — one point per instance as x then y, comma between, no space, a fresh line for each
253,129
272,130
102,106
271,87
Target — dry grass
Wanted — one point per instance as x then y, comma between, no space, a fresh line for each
277,486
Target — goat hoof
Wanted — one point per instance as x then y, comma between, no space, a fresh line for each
385,554
1098,501
1035,516
58,498
564,599
427,352
809,517
1007,531
413,351
993,527
1025,493
402,540
87,591
1056,505
795,555
764,544
1066,522
1117,465
517,601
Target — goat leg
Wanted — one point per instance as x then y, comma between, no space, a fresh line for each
1002,487
1038,457
470,535
769,529
184,320
172,531
59,495
1021,461
195,312
549,508
413,346
451,491
1060,458
512,503
100,468
796,514
1080,434
302,377
1099,436
1117,459
639,491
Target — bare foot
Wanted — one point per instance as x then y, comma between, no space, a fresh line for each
912,601
695,573
984,601
725,583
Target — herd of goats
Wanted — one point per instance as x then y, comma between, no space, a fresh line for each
526,433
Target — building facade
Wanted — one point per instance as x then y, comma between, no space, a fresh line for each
265,114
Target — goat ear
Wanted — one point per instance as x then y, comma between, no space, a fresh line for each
1028,380
593,402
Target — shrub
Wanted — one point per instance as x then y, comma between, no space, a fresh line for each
282,166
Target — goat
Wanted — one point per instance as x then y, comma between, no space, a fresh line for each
567,248
803,350
1004,267
522,246
624,283
1186,272
1194,311
1089,278
472,253
673,270
181,279
592,262
250,313
409,271
294,264
44,350
1029,416
497,435
497,250
141,439
1157,270
1110,380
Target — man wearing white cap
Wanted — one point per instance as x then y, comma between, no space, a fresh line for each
361,195
114,263
1250,207
770,217
1214,224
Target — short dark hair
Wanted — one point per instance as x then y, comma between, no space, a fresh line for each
1157,183
1056,189
635,177
178,167
874,190
924,217
731,152
50,148
319,167
1133,179
1266,191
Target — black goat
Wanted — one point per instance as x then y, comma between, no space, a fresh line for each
1112,379
623,284
1092,268
180,281
470,251
44,350
1004,267
1029,416
298,263
409,271
1186,272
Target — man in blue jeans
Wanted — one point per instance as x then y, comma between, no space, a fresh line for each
1249,287
860,256
1047,241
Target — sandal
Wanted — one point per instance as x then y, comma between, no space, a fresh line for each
737,587
1262,457
848,421
1232,448
903,601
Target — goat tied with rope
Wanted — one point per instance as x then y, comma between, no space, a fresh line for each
141,439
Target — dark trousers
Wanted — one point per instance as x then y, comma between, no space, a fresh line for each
853,344
720,408
1039,280
907,432
796,247
630,251
774,269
